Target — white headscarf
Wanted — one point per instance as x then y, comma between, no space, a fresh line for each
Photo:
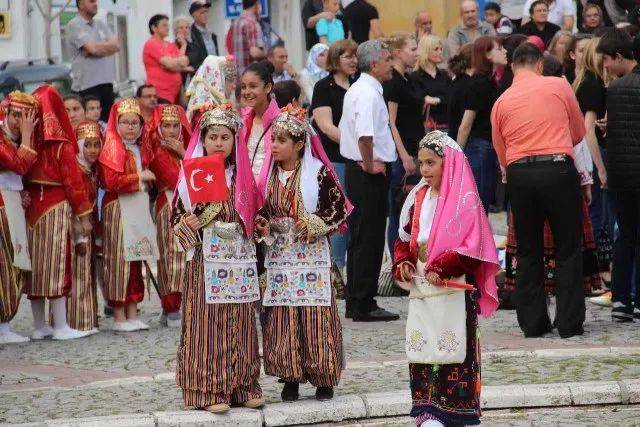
312,66
208,85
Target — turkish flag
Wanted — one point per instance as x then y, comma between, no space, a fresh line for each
205,178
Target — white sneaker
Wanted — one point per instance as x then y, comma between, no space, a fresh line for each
42,333
93,331
139,324
10,337
125,326
68,333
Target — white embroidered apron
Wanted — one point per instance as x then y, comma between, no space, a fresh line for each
230,271
298,273
436,330
139,236
17,228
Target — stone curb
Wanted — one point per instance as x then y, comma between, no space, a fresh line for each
357,365
373,405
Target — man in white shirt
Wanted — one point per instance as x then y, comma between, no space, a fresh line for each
368,148
561,12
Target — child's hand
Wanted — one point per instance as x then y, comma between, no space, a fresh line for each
407,271
262,226
434,279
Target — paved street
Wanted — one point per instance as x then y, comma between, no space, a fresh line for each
133,373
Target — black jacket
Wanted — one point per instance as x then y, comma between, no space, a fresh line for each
196,50
623,133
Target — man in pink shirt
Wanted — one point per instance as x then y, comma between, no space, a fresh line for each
163,61
535,125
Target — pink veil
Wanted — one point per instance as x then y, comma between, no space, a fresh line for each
247,199
460,223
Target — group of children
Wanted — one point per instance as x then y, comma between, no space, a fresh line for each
263,249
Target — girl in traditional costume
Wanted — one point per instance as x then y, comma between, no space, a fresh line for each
258,114
129,233
169,133
57,194
302,335
445,234
16,158
82,302
218,359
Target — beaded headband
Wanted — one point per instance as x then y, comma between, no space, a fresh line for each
292,120
434,141
21,100
129,105
88,130
170,114
222,115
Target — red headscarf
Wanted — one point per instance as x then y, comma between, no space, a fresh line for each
54,123
114,153
156,120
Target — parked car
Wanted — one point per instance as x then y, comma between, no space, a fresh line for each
28,75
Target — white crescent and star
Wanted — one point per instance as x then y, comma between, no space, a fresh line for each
209,178
193,185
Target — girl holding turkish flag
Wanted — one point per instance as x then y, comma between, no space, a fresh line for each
304,203
444,234
219,325
129,232
169,133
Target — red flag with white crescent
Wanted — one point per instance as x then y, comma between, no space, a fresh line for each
205,179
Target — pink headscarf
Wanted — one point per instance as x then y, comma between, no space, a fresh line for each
460,223
248,114
313,147
247,199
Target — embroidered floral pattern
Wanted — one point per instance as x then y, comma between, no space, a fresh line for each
141,249
415,341
448,342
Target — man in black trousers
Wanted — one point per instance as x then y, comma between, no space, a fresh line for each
368,148
535,125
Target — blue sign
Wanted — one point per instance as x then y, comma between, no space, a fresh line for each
233,8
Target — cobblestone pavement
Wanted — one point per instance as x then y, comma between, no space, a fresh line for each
627,416
91,376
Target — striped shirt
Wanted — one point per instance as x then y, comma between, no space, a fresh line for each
245,34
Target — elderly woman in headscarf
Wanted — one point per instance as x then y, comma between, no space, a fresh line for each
314,70
213,84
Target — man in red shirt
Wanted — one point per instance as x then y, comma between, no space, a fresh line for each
163,61
535,125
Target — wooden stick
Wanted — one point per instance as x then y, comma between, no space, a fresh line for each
458,285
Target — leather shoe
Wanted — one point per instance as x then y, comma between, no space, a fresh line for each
376,315
290,392
324,393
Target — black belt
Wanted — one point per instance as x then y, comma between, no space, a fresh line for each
543,158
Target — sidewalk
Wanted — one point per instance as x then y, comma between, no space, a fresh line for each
109,374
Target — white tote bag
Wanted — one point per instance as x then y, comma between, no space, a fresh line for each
436,325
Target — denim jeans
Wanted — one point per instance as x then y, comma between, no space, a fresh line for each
600,208
626,255
484,165
339,240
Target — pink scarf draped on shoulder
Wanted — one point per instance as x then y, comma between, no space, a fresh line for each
247,199
460,224
317,151
248,114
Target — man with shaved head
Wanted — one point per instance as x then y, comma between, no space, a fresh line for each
423,24
470,27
